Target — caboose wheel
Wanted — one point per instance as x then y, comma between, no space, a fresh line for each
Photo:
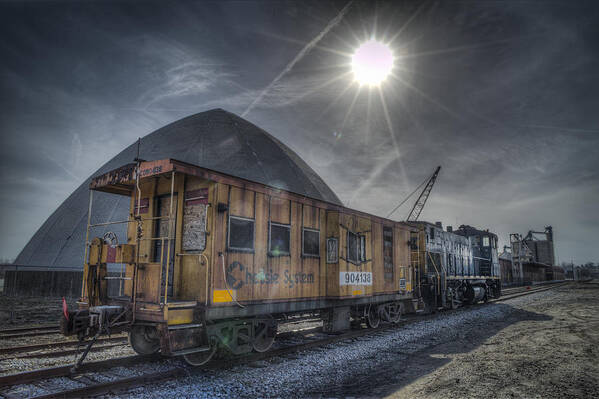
264,334
200,358
373,317
144,340
394,312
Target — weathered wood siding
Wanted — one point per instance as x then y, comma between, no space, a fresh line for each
263,276
257,275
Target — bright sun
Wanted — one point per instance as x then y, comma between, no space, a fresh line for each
372,63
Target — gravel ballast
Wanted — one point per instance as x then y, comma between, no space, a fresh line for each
319,372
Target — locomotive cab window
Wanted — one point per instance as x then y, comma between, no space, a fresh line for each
280,236
241,234
311,242
485,241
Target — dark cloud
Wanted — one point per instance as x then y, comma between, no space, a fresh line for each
503,95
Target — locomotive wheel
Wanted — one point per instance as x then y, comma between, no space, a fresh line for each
452,299
452,303
200,358
144,340
265,332
373,317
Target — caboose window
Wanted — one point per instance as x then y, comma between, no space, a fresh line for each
356,247
311,240
280,235
362,251
388,253
241,233
352,247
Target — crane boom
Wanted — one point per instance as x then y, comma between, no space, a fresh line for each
421,201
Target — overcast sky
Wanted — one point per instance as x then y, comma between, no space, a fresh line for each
503,95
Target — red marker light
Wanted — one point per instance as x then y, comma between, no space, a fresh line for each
65,309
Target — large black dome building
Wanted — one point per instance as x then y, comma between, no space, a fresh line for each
215,139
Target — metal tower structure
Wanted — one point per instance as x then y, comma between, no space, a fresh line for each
421,201
521,254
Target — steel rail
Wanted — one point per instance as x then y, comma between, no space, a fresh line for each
531,291
135,381
65,371
68,352
31,333
30,328
50,345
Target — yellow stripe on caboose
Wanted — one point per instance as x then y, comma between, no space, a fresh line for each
220,296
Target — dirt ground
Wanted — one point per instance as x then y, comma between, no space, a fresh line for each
544,348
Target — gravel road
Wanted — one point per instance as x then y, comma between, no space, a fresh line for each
541,345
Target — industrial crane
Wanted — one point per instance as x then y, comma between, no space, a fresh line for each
421,201
419,205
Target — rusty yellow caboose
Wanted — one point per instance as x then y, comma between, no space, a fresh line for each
213,260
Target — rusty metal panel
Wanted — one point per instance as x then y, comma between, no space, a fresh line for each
185,338
194,220
123,175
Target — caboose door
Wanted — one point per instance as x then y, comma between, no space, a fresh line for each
164,240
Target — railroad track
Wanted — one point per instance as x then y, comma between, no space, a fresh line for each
527,291
117,341
507,291
311,338
96,384
69,352
7,353
29,331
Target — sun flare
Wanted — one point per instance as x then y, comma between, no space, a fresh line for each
372,62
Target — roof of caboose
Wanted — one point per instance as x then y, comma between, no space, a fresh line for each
122,181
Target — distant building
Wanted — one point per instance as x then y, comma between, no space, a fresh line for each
533,256
541,246
508,274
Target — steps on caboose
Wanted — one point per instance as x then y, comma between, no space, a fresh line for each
184,326
181,304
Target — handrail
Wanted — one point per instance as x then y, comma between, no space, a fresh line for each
129,221
89,216
170,232
436,271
